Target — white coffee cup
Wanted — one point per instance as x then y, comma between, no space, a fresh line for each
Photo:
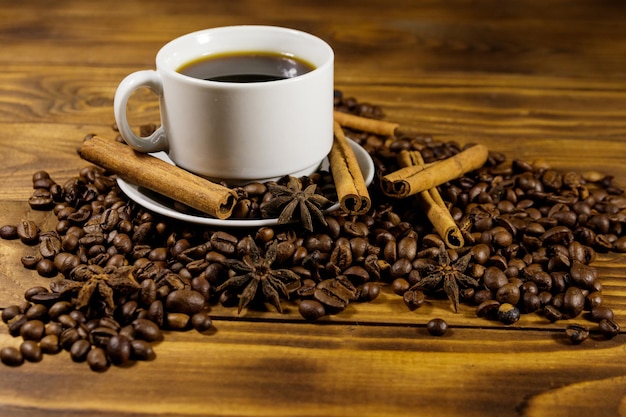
231,131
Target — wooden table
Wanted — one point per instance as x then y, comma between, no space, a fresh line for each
534,80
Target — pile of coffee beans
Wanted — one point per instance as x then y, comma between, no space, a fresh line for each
120,274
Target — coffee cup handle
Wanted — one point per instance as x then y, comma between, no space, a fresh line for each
157,141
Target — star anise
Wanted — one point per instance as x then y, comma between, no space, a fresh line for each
254,271
291,196
446,275
104,285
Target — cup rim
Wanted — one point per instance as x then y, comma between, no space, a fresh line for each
168,52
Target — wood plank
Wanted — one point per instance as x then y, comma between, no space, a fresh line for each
516,37
329,370
535,80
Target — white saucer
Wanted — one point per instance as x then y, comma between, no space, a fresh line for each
162,205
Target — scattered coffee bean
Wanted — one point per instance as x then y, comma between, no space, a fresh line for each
508,313
119,349
609,328
413,299
79,350
576,333
31,351
185,301
311,309
146,330
600,313
437,327
142,350
11,356
177,321
50,344
28,232
98,360
10,312
9,232
201,321
32,330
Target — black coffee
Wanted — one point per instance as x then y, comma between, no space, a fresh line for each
246,67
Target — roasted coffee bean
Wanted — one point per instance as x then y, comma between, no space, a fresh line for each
481,253
68,337
437,327
148,292
156,313
508,313
185,301
573,302
331,295
50,344
407,247
49,244
79,350
311,309
531,302
127,311
609,328
552,313
400,285
600,313
53,328
223,242
576,333
508,293
583,275
28,232
488,308
9,232
11,356
32,330
413,299
201,321
142,350
101,335
10,312
542,280
31,351
108,322
46,268
177,321
146,330
67,321
119,349
619,245
202,286
494,278
97,360
30,261
369,291
59,308
16,323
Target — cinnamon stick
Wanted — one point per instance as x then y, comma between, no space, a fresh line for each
433,205
159,176
378,127
349,182
414,179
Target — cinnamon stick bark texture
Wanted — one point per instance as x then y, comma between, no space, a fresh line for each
379,127
433,205
414,179
351,189
159,176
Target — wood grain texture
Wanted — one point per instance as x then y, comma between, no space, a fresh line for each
534,80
